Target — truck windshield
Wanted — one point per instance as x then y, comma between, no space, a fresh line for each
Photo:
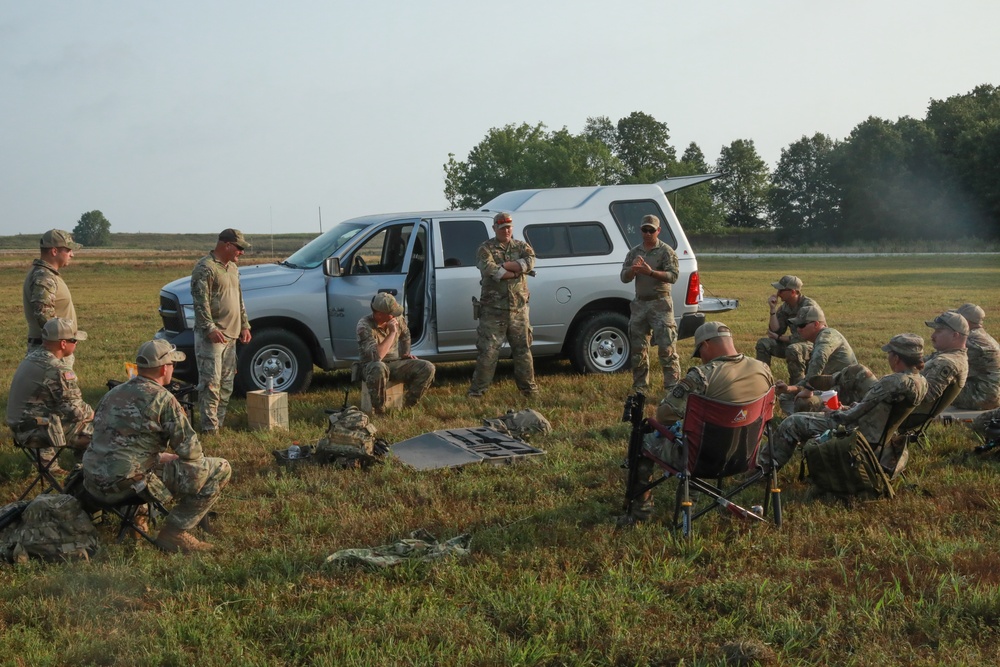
313,253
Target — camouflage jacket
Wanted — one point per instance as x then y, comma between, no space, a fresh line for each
370,336
733,379
831,353
941,369
871,413
786,312
660,258
134,423
44,385
45,296
218,299
509,294
984,358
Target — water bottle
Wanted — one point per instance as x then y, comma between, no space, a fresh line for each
270,384
294,451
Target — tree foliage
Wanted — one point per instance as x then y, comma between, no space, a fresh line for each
93,229
641,143
695,205
804,199
743,191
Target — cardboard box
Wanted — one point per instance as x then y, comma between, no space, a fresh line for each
267,411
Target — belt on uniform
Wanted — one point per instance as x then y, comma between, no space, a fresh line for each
655,297
34,341
122,484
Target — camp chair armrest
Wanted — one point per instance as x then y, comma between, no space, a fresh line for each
661,428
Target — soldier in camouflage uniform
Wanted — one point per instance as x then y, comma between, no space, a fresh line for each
653,266
982,386
788,346
869,415
135,424
45,408
384,347
220,320
830,353
950,362
725,375
45,294
504,263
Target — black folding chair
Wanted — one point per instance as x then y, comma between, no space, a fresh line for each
127,509
43,474
913,429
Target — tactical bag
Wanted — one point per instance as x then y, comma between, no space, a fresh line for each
521,425
52,527
350,438
842,462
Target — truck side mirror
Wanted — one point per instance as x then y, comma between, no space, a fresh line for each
331,266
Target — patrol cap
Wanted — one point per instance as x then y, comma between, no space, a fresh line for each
57,238
808,314
650,221
60,328
787,282
709,331
906,344
503,219
384,302
235,237
972,313
949,319
156,353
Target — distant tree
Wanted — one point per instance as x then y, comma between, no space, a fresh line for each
695,206
601,130
743,190
643,148
695,159
93,229
803,199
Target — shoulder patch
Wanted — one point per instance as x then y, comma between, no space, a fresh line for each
69,375
679,391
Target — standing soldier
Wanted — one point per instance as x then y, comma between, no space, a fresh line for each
503,307
219,321
45,293
982,386
653,266
788,346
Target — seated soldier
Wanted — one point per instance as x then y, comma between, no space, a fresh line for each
830,353
777,342
384,347
869,415
982,386
45,408
134,425
725,375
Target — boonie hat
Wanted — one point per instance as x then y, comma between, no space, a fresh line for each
787,282
808,314
57,238
386,303
156,353
949,319
235,237
502,220
972,313
60,328
709,331
906,344
650,221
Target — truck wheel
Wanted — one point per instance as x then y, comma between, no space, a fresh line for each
601,344
278,353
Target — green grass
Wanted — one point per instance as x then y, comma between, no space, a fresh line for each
550,581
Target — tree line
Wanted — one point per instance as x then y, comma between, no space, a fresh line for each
936,177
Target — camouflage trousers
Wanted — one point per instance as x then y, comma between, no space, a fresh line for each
495,326
415,374
46,439
656,316
195,486
216,372
981,421
668,452
978,394
792,432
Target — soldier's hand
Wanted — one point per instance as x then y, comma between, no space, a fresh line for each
217,336
772,301
772,335
780,387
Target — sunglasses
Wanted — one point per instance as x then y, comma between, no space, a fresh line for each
648,230
803,325
71,340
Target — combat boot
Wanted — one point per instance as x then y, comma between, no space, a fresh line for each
172,540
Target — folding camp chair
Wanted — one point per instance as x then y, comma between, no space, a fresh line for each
127,509
33,450
914,427
717,440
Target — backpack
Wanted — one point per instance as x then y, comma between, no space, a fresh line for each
521,425
842,462
350,438
52,527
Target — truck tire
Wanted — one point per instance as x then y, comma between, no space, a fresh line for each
278,351
601,344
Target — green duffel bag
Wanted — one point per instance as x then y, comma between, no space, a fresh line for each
842,462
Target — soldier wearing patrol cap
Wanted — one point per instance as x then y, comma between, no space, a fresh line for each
982,386
829,352
45,294
220,320
950,362
45,408
384,348
789,346
135,423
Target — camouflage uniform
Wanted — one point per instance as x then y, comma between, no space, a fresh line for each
503,315
45,296
218,305
800,349
415,374
983,419
830,352
46,387
982,386
869,415
941,369
136,422
652,310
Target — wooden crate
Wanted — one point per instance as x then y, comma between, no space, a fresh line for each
393,397
267,411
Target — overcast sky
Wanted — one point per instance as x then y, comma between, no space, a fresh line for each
191,116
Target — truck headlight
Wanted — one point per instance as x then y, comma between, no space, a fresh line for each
188,316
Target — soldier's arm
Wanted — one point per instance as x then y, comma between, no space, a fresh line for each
180,433
202,281
627,274
879,392
43,300
674,404
367,346
669,267
487,265
527,262
70,403
404,338
822,349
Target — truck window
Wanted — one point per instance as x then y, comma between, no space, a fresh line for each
460,239
384,252
629,214
577,239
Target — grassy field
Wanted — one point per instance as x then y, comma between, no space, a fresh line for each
550,581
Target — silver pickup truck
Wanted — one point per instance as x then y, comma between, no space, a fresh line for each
303,310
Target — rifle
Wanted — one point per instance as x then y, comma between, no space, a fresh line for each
634,407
